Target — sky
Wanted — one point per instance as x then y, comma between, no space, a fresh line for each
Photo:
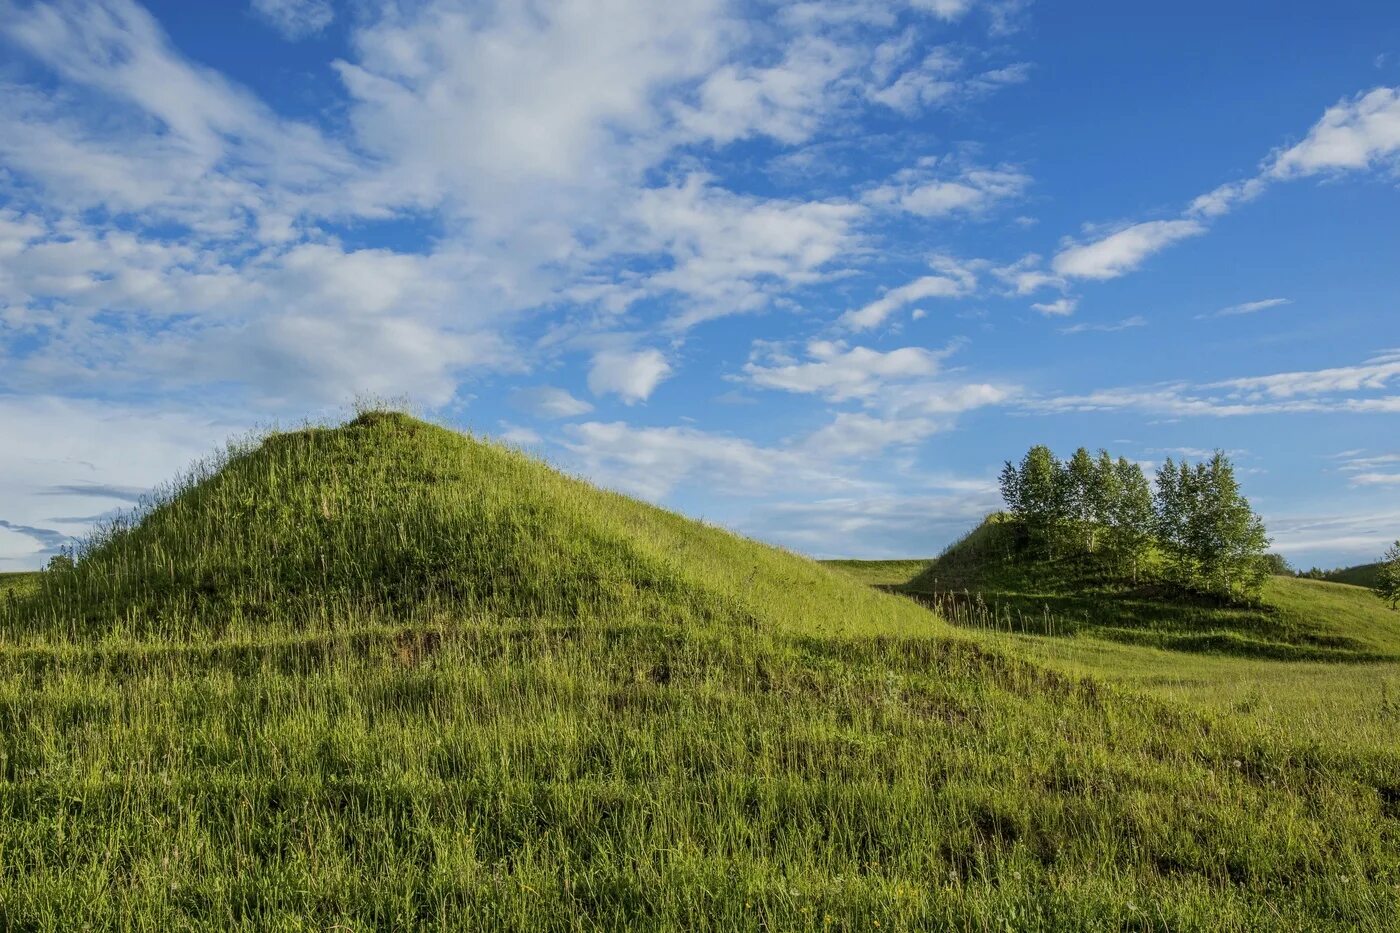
809,270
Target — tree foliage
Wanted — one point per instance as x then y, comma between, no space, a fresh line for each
1207,534
1388,585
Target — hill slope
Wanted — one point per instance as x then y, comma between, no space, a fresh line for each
1367,575
981,581
384,675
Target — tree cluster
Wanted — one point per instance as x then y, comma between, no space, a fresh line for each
1193,527
1388,582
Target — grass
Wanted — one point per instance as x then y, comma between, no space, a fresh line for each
1314,661
384,676
17,584
980,582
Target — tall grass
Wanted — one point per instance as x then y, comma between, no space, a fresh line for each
384,676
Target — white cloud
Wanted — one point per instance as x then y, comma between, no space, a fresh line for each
632,375
956,281
296,19
1363,535
550,402
730,252
1352,135
1026,275
1351,389
1109,327
787,100
940,79
838,372
1374,375
879,526
1376,479
970,191
1061,307
1251,307
651,462
1123,251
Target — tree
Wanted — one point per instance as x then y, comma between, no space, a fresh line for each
1388,584
1170,520
1078,500
1011,489
1277,565
1215,542
1041,501
1131,519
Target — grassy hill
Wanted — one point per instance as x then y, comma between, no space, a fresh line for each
385,675
981,581
1367,575
1313,662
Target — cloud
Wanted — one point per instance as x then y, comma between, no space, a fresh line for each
1026,275
632,375
1061,307
1250,307
549,402
879,526
838,372
1109,327
1376,479
296,19
940,79
1123,251
651,462
1373,375
1349,389
972,191
787,101
1364,535
956,281
1352,135
729,253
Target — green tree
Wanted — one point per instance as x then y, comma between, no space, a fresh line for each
1040,492
1078,500
1215,541
1011,490
1388,584
1170,524
1131,519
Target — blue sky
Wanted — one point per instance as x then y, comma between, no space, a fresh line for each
809,270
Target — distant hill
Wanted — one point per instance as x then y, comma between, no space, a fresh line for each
387,676
982,580
1367,575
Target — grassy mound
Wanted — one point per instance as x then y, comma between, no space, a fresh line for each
387,676
983,581
1367,575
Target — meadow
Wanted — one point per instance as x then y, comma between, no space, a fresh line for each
387,676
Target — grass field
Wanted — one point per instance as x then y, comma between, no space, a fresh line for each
1316,661
385,676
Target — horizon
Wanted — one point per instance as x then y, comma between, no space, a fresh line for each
811,272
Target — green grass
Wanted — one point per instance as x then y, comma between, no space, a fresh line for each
881,572
17,584
386,676
1315,661
981,581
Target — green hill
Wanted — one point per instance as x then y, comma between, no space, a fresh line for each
983,581
387,676
1367,575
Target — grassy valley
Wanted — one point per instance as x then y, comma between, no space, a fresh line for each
384,675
